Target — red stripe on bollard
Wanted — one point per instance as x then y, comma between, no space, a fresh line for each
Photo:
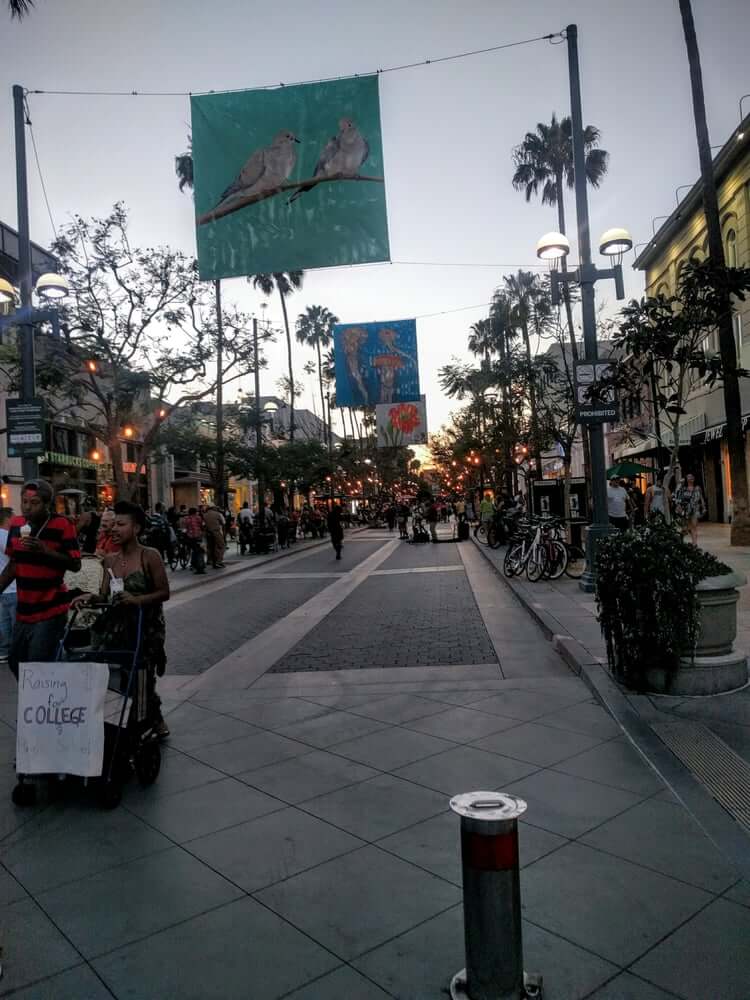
496,853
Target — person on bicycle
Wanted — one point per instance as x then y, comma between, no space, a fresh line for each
486,513
134,578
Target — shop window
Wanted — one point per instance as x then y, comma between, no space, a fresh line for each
737,327
730,248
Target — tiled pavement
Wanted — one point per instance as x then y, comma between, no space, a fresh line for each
298,844
572,612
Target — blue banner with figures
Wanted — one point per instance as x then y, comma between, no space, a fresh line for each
376,363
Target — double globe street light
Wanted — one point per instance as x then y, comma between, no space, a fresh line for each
553,248
49,288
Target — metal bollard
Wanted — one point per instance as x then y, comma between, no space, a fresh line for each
492,900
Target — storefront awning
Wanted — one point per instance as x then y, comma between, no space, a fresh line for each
640,447
716,432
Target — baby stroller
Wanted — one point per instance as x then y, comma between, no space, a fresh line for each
419,531
130,742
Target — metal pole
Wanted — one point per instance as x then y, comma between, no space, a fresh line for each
258,430
492,899
221,493
28,380
330,445
587,275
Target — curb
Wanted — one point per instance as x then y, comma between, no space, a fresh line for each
716,823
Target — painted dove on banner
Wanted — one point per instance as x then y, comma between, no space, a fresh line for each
266,168
342,155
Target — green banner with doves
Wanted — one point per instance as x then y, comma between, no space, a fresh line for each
290,178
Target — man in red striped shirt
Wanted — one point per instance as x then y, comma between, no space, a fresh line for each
41,547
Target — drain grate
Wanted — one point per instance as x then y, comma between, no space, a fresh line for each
715,764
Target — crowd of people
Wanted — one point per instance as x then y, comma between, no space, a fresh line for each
475,508
39,548
628,507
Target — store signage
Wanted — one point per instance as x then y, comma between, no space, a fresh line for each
24,420
717,433
60,458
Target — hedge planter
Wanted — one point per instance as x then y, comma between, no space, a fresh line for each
716,666
668,612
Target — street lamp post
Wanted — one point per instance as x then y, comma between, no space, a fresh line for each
28,380
555,246
49,286
330,445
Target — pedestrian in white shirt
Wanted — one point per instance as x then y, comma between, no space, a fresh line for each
618,505
8,597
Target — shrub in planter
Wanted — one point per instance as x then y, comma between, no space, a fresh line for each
646,597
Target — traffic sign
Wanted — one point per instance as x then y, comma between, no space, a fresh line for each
24,420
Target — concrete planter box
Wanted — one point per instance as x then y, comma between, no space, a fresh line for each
717,666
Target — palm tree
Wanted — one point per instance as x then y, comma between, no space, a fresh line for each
482,339
740,534
19,8
544,160
531,312
284,282
315,329
183,167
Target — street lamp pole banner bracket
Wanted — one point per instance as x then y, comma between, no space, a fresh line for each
289,179
376,363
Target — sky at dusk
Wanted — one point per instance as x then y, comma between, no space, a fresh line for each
456,224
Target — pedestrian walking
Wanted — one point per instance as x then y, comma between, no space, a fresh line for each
7,599
432,520
403,520
41,546
105,542
192,525
336,529
88,528
618,505
390,516
213,520
689,506
657,501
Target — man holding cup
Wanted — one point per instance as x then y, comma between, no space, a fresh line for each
42,546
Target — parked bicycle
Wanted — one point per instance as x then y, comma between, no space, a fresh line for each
541,550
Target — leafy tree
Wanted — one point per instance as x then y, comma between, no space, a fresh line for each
183,167
544,162
663,342
139,332
284,282
315,329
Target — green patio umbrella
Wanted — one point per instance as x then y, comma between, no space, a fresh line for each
626,470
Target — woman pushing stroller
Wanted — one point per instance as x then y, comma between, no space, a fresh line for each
134,578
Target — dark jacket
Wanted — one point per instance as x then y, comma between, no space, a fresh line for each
335,527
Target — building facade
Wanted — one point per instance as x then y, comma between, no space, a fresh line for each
682,238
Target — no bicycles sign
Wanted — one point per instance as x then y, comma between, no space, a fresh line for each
596,400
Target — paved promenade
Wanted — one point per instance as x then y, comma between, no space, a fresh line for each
298,843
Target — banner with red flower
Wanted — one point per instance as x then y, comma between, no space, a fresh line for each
401,423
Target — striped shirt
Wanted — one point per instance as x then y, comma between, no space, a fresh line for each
41,591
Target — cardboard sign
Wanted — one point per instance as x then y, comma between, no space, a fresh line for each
61,718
